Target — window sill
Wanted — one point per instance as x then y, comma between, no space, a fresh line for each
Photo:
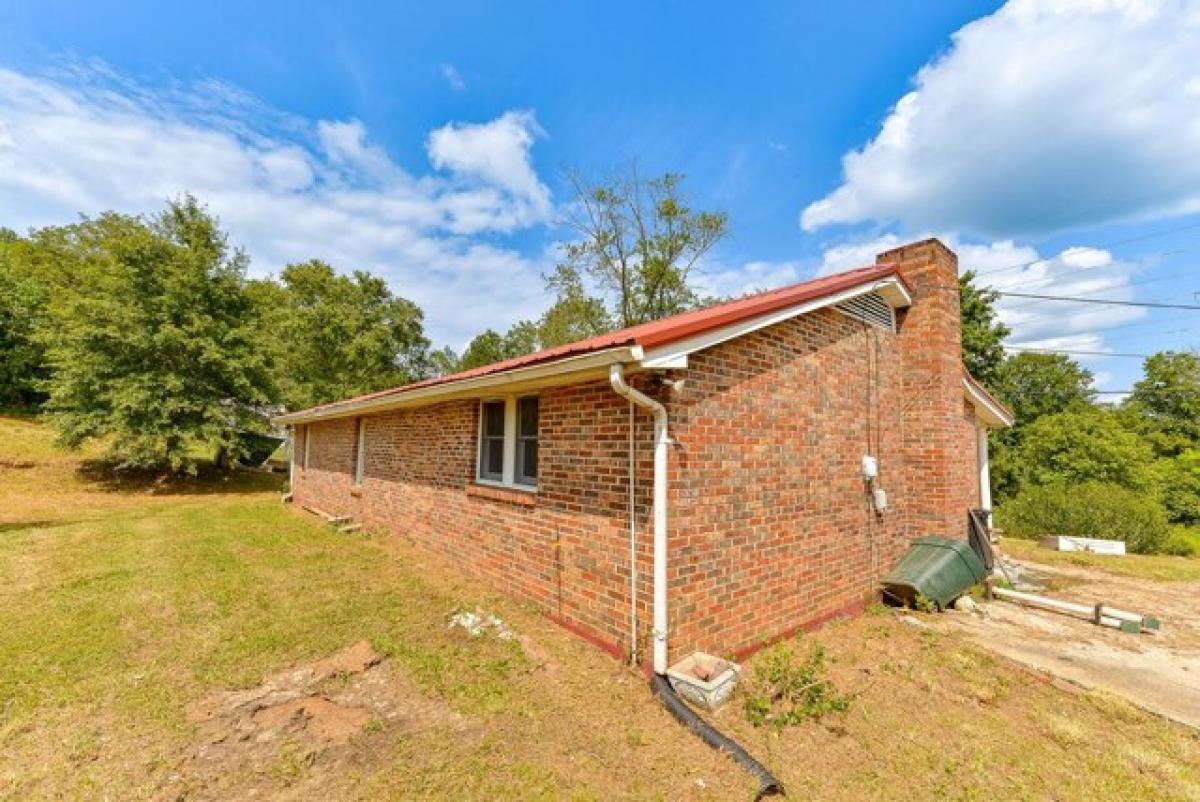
512,495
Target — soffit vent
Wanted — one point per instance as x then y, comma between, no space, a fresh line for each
870,308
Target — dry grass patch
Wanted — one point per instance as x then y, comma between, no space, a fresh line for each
124,608
1158,567
936,718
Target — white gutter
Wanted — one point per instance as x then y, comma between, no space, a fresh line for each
560,371
616,377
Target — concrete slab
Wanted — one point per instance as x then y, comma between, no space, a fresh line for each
1159,672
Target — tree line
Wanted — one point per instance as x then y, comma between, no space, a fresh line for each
146,333
1072,465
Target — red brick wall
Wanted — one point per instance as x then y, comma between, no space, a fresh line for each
565,548
771,525
772,522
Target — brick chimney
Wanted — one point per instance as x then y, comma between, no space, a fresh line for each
939,434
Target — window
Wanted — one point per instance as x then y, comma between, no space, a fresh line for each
360,450
307,438
527,441
508,442
491,441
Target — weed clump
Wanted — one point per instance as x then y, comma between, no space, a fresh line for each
787,689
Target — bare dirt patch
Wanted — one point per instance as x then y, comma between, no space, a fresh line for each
1157,671
272,736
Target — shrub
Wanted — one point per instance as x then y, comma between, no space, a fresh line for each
1182,542
1089,509
787,690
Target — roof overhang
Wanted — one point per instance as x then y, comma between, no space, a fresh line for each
563,371
591,364
675,354
987,409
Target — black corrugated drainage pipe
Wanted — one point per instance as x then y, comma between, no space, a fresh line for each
767,784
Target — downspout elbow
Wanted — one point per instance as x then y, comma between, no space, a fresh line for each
616,378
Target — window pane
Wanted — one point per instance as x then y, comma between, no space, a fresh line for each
494,463
527,417
493,419
527,461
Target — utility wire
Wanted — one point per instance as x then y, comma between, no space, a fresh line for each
1104,301
1105,246
1112,286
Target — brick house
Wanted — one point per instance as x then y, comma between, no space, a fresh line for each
697,482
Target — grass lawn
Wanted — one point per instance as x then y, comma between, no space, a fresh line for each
1157,567
124,604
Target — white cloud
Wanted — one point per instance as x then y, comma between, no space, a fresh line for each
86,139
345,145
1040,117
452,77
495,153
724,281
1077,271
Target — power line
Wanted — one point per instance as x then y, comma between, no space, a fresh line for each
1104,301
1060,314
1105,246
1112,286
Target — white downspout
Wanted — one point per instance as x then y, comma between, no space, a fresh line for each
291,453
985,478
616,377
634,656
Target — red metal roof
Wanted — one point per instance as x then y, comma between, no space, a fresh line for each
656,333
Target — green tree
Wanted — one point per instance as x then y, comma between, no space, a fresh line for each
1181,487
443,361
491,346
1034,385
22,305
637,242
332,336
484,349
982,332
575,315
1165,404
1085,444
151,347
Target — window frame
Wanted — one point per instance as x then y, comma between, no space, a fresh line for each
307,440
360,451
508,475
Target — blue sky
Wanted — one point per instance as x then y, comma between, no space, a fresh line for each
1050,143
